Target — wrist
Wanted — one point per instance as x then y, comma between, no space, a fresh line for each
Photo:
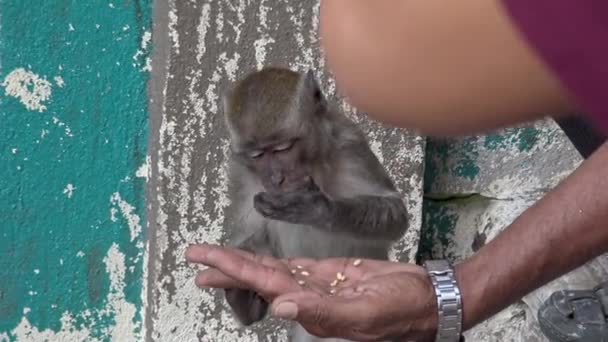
424,328
471,280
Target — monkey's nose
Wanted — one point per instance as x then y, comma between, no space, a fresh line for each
277,179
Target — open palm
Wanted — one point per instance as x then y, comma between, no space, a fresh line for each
338,297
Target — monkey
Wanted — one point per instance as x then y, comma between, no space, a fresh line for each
303,181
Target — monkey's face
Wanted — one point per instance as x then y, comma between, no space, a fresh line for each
279,165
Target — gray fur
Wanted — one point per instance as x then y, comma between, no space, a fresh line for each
346,207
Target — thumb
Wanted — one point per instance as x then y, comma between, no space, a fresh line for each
325,312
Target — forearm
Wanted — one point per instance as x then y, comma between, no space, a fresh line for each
373,217
562,231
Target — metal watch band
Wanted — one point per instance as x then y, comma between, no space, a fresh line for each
449,301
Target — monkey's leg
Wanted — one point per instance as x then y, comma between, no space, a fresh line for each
247,305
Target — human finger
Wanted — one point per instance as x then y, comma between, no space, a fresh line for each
198,254
263,274
214,278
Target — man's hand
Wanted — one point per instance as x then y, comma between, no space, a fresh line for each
377,300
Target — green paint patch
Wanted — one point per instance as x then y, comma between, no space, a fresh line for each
523,138
528,137
450,157
438,225
73,108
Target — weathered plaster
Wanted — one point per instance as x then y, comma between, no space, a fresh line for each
73,131
207,45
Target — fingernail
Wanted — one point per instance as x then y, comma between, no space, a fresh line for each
286,310
188,253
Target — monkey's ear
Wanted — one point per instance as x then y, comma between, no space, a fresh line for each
226,108
311,91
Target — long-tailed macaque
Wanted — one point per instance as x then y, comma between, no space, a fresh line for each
303,180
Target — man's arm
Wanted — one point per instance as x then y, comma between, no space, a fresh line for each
562,231
438,66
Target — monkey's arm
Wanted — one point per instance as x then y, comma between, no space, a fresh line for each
363,200
380,217
366,216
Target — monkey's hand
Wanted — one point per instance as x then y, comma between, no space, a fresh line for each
305,206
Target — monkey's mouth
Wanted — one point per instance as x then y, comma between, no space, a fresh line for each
292,185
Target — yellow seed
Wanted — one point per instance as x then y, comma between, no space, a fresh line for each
299,267
293,271
301,282
341,276
304,273
357,262
332,291
334,283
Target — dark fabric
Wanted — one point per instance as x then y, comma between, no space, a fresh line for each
570,37
584,135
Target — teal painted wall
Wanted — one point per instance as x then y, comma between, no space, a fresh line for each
73,136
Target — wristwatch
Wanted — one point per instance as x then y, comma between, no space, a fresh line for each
449,301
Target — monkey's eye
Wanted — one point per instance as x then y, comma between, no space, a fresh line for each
284,146
255,154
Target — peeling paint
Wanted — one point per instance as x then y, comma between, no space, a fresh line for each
69,190
144,170
172,31
31,89
265,39
128,212
202,28
59,81
125,326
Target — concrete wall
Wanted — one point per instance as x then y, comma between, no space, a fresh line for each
73,143
209,45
